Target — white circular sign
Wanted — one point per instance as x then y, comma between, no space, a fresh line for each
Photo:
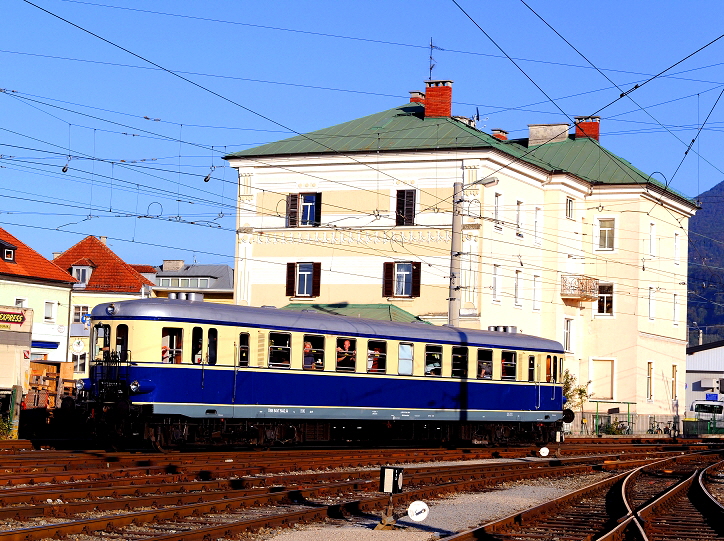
418,511
78,346
544,451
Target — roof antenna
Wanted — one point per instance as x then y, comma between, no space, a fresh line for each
432,60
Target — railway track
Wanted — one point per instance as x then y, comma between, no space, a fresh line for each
666,500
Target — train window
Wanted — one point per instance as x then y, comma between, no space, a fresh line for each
313,352
212,346
555,368
433,360
549,368
279,350
122,342
197,344
404,360
172,345
531,368
459,362
485,364
508,365
376,357
244,349
346,354
100,341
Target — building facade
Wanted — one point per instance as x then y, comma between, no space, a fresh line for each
559,238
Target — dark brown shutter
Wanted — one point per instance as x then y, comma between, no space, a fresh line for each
388,280
405,213
291,279
318,210
416,272
400,212
293,210
316,276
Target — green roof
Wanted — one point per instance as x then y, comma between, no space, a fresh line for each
381,312
405,128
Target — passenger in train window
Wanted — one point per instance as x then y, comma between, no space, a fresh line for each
308,357
433,360
345,355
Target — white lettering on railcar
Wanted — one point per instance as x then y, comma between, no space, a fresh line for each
277,410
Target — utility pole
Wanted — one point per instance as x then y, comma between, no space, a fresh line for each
453,310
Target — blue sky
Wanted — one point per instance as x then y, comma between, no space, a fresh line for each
141,140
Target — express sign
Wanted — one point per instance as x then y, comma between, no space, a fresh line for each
12,317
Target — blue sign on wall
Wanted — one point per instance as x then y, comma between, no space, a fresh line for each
712,396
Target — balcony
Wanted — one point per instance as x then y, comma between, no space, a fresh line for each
578,286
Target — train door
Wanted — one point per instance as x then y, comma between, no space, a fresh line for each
216,384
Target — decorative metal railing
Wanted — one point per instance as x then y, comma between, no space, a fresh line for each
578,286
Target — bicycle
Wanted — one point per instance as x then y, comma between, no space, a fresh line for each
654,428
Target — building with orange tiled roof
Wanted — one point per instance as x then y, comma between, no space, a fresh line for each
41,293
101,277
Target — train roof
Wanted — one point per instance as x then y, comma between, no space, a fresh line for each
158,309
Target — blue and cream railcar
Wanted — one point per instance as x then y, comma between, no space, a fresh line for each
206,368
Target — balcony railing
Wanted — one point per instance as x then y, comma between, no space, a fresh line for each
578,286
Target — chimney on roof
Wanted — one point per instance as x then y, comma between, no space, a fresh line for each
438,98
56,255
500,134
588,126
172,265
104,240
547,133
417,97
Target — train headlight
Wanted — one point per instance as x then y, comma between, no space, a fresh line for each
141,386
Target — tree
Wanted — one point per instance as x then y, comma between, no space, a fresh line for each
575,394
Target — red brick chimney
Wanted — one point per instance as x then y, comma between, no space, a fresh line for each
588,126
438,99
500,134
417,97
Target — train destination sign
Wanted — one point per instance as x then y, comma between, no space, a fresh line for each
16,318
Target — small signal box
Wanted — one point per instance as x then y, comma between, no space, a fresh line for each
391,479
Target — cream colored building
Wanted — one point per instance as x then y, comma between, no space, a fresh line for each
560,239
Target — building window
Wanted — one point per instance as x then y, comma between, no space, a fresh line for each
652,240
9,255
304,209
652,303
303,279
536,292
49,316
605,299
20,302
674,377
537,225
517,288
567,334
405,210
82,274
606,233
677,249
676,309
496,283
79,362
519,218
569,208
401,279
496,212
649,381
79,312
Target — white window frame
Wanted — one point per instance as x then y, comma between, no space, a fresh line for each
81,311
52,305
518,275
303,285
674,381
569,208
652,239
568,335
675,315
9,254
496,283
597,236
613,305
650,381
519,218
497,222
536,293
537,226
677,249
652,303
403,279
76,361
